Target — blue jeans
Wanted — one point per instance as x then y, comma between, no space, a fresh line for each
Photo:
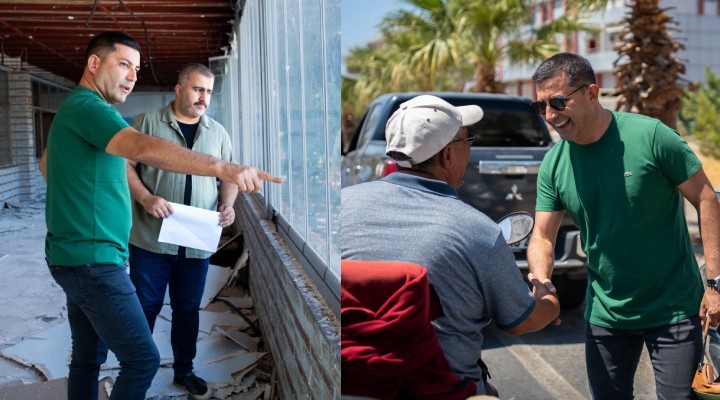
612,357
102,307
151,273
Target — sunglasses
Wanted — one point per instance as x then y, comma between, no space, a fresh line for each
557,103
469,139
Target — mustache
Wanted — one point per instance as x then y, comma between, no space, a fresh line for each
200,103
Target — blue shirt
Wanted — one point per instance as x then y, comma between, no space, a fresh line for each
404,217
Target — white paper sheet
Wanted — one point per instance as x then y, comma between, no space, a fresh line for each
191,227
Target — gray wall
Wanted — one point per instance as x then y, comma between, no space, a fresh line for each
20,180
301,331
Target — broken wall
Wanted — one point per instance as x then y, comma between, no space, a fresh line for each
300,329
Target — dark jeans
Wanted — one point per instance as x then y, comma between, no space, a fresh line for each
152,273
102,307
612,357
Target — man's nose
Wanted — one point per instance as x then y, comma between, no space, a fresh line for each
132,75
550,113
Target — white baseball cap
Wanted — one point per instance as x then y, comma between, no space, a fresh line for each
424,125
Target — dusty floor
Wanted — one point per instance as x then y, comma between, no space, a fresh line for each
30,301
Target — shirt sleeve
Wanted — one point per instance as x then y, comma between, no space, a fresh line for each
98,123
675,158
548,198
507,297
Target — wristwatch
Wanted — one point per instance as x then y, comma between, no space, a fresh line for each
714,284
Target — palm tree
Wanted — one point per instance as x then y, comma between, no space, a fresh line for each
648,72
473,36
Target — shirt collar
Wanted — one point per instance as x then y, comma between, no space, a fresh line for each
417,182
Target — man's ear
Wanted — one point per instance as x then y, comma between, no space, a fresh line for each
594,92
93,62
446,155
178,90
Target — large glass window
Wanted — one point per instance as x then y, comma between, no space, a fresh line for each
289,90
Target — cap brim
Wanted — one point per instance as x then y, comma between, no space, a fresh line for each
470,114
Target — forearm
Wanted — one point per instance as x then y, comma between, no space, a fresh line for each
163,154
168,156
228,194
541,258
709,217
42,164
547,309
138,191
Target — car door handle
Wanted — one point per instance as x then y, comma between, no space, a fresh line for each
508,167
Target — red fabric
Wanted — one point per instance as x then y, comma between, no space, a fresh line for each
389,349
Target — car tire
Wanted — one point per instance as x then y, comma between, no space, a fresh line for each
571,292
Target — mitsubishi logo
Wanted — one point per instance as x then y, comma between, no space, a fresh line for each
513,195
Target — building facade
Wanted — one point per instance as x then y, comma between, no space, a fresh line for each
698,29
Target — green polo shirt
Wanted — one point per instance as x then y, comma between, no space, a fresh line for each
621,191
211,138
88,201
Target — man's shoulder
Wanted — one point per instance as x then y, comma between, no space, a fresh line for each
156,113
212,124
633,121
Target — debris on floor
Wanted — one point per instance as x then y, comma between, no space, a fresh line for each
229,348
55,389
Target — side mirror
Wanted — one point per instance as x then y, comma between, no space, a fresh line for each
516,226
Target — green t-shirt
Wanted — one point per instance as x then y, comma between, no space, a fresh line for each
88,200
621,192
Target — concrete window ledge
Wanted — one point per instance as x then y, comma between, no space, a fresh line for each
301,330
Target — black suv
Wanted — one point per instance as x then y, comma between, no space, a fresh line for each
501,175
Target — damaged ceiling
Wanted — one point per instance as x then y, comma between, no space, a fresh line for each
53,34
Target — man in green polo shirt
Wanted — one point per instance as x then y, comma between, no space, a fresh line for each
88,216
622,178
153,265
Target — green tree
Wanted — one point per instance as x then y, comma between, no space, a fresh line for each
647,70
438,45
700,110
472,37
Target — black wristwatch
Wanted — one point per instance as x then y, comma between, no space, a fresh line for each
714,284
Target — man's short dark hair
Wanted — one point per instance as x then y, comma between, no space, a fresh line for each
104,44
577,68
189,69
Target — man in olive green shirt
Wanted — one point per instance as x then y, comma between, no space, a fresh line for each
154,265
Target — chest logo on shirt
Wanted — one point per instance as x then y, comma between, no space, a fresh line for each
628,173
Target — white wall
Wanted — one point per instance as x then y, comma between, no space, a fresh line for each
139,102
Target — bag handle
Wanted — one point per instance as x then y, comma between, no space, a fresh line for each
706,327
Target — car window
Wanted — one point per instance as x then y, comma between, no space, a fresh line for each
504,124
507,124
368,127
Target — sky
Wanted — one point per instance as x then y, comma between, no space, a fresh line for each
359,20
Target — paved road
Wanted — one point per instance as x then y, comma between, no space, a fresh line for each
550,364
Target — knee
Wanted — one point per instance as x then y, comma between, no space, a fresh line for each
153,361
146,363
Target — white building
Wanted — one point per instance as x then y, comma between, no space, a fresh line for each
699,30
